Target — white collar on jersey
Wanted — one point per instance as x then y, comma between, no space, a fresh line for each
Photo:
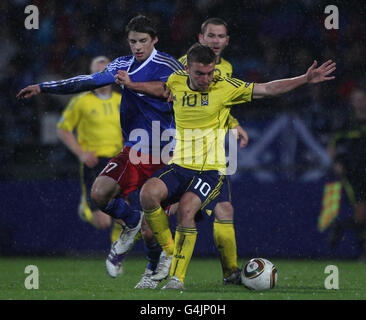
152,55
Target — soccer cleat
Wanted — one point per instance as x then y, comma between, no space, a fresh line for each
126,238
163,267
146,282
234,278
174,283
120,248
114,262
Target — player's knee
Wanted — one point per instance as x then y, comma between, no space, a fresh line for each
99,197
224,211
102,192
150,195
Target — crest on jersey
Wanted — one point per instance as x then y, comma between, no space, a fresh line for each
204,99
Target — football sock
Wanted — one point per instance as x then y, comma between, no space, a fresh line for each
119,209
153,252
225,241
159,224
185,240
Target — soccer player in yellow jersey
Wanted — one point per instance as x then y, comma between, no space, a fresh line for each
214,34
196,175
95,117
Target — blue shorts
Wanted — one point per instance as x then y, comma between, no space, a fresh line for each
210,186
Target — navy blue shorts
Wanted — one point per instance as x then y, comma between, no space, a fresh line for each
210,186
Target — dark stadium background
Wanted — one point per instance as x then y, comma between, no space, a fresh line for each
277,196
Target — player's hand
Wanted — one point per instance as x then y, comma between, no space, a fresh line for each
89,159
122,78
320,74
167,94
242,136
28,92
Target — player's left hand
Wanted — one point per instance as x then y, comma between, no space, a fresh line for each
320,74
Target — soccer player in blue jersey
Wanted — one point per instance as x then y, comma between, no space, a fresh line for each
140,114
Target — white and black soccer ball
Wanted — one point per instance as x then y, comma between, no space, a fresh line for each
259,274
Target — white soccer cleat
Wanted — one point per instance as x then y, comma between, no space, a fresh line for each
174,283
163,267
126,238
114,262
146,282
120,248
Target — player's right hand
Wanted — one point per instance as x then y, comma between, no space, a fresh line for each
89,159
28,92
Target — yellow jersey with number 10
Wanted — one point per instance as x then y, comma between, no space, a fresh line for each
223,69
201,119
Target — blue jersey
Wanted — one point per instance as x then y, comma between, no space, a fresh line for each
143,118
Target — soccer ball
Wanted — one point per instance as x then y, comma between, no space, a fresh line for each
259,274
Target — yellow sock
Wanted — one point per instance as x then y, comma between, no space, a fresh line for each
159,224
225,241
185,240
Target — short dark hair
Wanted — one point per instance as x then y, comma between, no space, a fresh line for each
141,24
215,21
200,53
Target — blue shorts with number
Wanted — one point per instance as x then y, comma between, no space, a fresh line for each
210,186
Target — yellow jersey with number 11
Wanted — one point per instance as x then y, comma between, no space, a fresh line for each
96,121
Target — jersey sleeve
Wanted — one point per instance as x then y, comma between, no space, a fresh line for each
78,84
85,82
167,66
237,91
232,122
71,115
183,60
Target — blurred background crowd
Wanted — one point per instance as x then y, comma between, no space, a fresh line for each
269,39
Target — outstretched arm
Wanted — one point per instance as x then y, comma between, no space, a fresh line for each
72,85
313,75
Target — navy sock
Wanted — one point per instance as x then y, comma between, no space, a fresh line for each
119,209
152,255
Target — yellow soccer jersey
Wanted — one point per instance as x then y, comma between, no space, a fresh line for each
96,121
201,119
223,69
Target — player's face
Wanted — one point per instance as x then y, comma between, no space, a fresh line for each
215,37
141,44
200,75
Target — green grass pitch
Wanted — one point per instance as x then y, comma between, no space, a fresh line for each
86,279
